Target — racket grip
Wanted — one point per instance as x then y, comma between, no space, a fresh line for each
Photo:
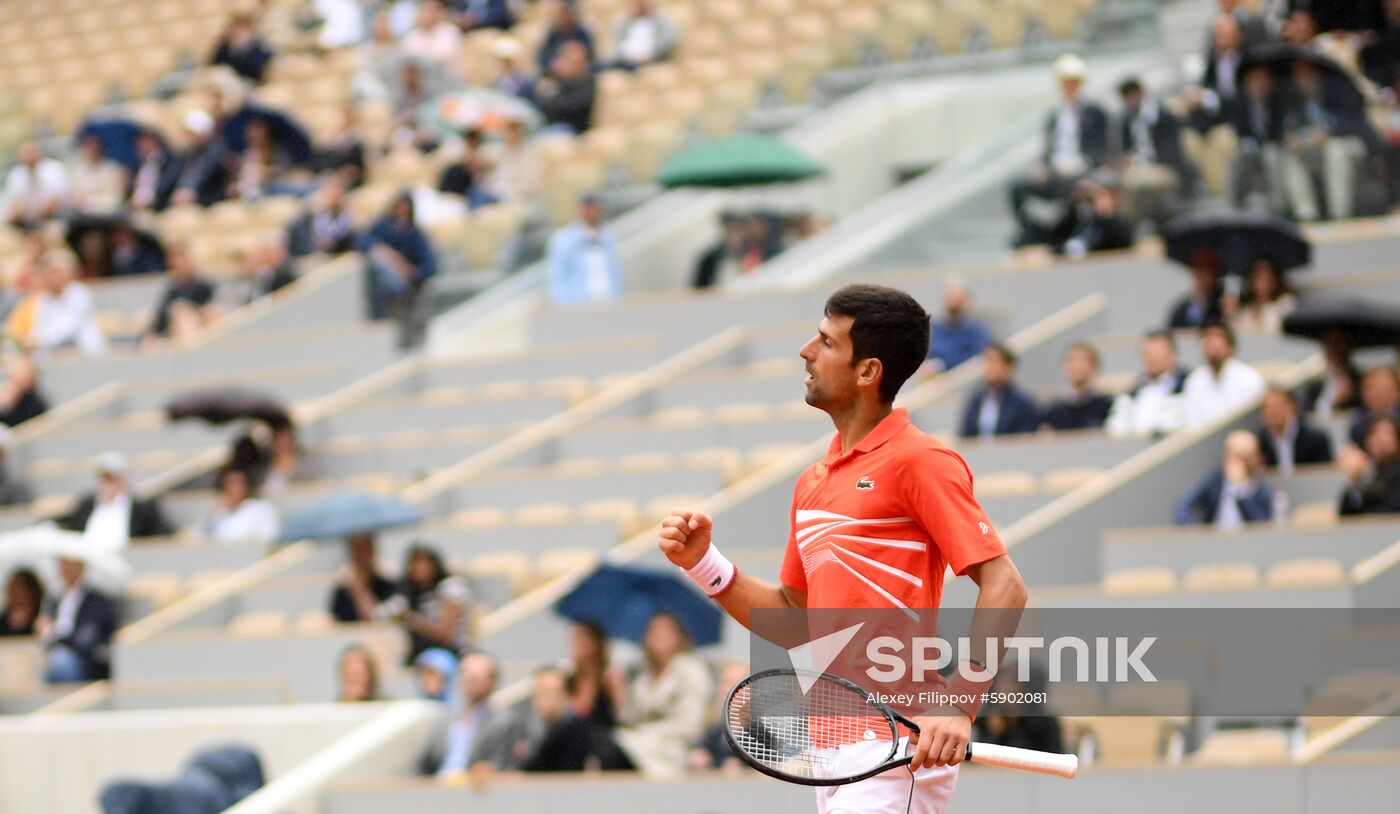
1026,760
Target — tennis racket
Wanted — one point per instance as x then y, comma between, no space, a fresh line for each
836,733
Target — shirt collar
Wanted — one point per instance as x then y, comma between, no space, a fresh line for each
876,438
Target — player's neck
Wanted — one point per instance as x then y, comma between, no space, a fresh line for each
857,422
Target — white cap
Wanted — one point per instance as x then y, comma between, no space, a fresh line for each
111,463
1070,66
199,122
506,48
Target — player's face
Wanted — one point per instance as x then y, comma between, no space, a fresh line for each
831,378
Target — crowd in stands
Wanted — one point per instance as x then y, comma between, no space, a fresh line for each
750,239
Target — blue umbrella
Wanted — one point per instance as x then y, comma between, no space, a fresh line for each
285,132
624,598
346,513
118,137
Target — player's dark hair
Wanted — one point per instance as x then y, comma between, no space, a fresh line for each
887,324
1219,325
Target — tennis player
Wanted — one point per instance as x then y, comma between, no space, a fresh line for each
874,524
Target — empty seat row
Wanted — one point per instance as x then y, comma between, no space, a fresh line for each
1228,576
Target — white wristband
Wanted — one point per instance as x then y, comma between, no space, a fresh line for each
713,573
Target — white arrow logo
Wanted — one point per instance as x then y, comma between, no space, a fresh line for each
810,660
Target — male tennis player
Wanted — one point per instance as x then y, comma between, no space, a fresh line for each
874,524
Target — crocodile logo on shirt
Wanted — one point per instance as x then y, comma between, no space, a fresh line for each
865,484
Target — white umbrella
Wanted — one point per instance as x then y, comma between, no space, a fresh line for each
41,546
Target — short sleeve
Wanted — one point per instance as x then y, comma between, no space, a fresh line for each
793,573
938,491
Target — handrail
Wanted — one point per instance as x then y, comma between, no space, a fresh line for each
1319,745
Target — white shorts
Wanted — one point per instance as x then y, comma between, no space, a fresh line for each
888,792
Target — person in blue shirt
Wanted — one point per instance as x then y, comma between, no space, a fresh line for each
400,260
957,336
565,27
1234,493
584,264
999,407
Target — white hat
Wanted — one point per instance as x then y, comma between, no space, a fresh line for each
111,463
506,48
199,122
1070,66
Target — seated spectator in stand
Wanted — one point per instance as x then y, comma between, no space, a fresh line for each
36,189
511,77
400,261
1373,471
20,399
438,604
583,259
1234,493
242,50
1076,141
263,269
565,27
1027,725
112,514
434,38
999,407
713,751
1206,302
364,595
471,15
24,601
516,173
239,515
721,262
1093,222
1317,28
1086,408
377,61
1340,386
1325,142
13,489
63,312
435,671
594,688
132,255
644,36
186,305
545,736
204,172
467,176
1287,439
284,461
1156,172
1380,395
458,748
359,676
1259,117
958,335
1380,58
157,175
261,166
565,93
1223,384
99,183
1211,104
663,710
76,628
343,156
1266,299
328,227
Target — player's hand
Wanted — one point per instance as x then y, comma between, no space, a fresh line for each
943,739
685,536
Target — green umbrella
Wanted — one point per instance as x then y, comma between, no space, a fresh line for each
738,161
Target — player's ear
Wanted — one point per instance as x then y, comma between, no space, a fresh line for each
868,372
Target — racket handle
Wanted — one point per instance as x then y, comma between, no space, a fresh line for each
1026,760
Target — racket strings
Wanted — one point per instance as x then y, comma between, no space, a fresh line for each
775,724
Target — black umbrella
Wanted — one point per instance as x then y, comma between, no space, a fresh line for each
1280,56
222,405
1239,238
286,133
80,226
1370,324
118,136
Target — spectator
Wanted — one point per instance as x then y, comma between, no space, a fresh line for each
1213,103
434,37
262,164
1373,476
157,175
439,612
112,515
1086,408
1259,118
511,78
467,175
342,23
20,399
343,156
1381,57
584,262
241,50
24,600
359,676
1303,29
1076,141
644,36
516,172
1156,171
1380,395
1206,302
1234,493
186,305
1224,384
417,85
1325,141
958,335
565,93
593,683
98,181
400,261
64,314
564,28
328,227
471,15
364,595
1028,725
1266,298
1093,222
546,736
999,407
285,460
1285,438
263,269
239,515
36,189
377,61
76,628
132,255
663,710
13,490
1253,25
436,672
721,262
459,748
1340,386
713,751
204,173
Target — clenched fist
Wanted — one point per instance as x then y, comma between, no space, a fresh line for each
685,536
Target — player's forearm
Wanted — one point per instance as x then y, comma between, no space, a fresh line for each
748,593
1001,597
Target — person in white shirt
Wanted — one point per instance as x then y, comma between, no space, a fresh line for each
111,516
1223,384
65,314
583,259
645,36
1154,406
36,189
239,515
99,183
434,37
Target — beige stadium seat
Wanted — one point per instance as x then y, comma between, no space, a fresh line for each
372,200
1311,571
574,388
1003,484
608,144
660,78
730,462
1140,581
642,462
625,111
728,12
705,40
557,562
1070,698
744,412
1315,515
483,517
662,506
625,513
161,588
794,408
802,64
771,453
377,482
252,624
579,468
760,66
1166,697
652,143
1224,576
512,566
543,514
1066,480
314,621
400,168
1244,747
906,21
1118,739
679,417
181,222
